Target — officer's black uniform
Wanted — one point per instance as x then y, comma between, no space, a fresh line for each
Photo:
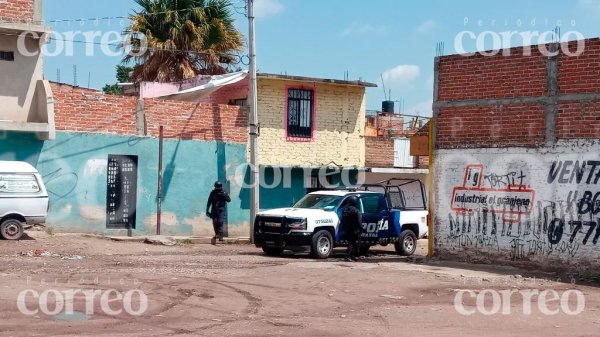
216,208
352,224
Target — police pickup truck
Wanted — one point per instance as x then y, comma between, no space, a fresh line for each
393,212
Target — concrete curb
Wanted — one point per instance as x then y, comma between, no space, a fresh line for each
180,239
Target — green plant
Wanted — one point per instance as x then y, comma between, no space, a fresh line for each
185,38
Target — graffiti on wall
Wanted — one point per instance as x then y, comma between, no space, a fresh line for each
498,211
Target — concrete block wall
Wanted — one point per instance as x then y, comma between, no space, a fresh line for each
517,157
339,125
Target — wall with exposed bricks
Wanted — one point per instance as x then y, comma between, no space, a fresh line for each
17,10
517,156
85,110
503,125
379,152
501,101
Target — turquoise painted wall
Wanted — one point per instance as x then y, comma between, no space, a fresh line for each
74,169
279,196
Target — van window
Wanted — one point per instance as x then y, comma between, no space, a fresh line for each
18,183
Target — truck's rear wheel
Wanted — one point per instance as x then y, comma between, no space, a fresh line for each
407,243
272,251
322,245
11,229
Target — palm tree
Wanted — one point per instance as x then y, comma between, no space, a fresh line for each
185,38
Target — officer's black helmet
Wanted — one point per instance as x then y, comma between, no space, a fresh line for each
353,201
218,185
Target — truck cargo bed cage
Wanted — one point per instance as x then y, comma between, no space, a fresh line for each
399,193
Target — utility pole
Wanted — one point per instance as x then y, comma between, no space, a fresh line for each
253,123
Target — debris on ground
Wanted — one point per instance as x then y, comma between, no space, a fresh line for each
393,297
45,253
161,240
72,257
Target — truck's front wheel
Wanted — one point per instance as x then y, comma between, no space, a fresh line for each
407,243
322,244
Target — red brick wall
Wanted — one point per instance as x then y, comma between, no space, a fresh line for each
578,120
379,152
491,126
84,110
479,77
16,10
513,78
580,73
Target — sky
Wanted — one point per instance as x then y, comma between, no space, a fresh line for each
391,43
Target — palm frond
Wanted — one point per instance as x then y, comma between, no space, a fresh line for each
185,38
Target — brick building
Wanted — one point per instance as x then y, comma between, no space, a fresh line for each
517,155
20,11
309,128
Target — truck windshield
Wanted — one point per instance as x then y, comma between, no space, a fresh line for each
318,201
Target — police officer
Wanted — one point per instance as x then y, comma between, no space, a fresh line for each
352,225
216,208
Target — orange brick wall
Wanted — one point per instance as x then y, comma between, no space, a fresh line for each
79,110
198,121
16,10
379,152
84,110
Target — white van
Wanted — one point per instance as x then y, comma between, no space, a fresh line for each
23,198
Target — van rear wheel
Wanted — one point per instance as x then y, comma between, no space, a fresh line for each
11,229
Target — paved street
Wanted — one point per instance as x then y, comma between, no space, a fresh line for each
234,290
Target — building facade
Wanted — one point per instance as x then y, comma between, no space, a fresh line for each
312,131
26,102
311,135
102,174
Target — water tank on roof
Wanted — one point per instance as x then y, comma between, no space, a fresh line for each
387,106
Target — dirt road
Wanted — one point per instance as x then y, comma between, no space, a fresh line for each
59,286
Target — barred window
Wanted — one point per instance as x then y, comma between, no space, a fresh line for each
300,108
7,56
